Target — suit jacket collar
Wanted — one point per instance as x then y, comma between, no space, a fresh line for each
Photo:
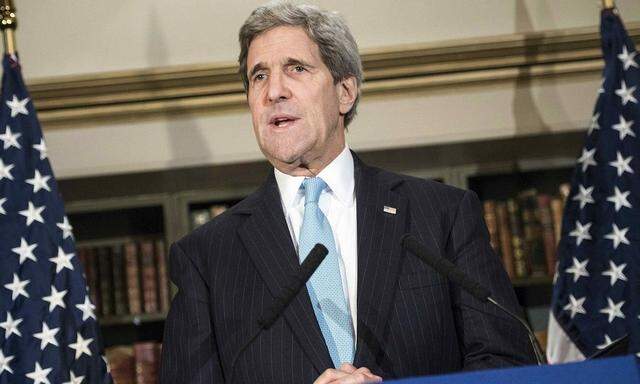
266,236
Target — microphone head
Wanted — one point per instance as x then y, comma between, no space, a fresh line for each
314,258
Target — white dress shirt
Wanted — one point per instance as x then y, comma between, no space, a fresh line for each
338,203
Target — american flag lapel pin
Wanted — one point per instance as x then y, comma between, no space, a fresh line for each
389,210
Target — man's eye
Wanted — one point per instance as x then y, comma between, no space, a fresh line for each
299,68
258,77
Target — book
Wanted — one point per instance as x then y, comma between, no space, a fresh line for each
520,264
122,363
119,281
163,278
91,272
532,232
132,272
147,358
489,207
545,217
105,276
199,217
216,210
557,208
564,189
504,231
149,277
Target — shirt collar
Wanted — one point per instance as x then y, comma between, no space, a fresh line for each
338,175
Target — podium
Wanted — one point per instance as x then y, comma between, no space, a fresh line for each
616,370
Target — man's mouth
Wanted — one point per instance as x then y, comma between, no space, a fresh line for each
282,121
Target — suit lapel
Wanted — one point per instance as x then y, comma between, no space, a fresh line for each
268,241
379,260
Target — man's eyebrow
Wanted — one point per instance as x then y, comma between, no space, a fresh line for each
256,68
293,61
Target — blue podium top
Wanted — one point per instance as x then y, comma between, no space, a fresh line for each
617,370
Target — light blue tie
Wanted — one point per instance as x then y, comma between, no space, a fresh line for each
325,285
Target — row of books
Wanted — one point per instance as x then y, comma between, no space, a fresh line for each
201,216
134,364
525,230
127,278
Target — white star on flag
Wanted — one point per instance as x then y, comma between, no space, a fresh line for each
55,299
575,306
601,89
626,94
66,228
74,379
618,236
39,375
47,336
607,342
622,164
25,251
17,287
615,272
627,58
619,199
587,158
5,170
584,196
2,201
81,346
42,148
106,363
594,123
624,127
10,139
87,309
39,182
63,260
4,363
33,213
581,232
613,310
578,269
11,326
18,106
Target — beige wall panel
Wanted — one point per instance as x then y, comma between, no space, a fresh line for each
458,114
467,113
62,37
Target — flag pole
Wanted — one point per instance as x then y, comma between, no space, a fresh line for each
8,24
608,4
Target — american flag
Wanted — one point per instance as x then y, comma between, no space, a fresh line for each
48,330
596,293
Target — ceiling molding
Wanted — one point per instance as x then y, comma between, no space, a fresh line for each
152,93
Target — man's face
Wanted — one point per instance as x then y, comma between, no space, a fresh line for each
295,105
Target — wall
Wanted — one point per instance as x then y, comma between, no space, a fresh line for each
65,38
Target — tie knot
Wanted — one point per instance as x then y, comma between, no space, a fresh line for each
312,189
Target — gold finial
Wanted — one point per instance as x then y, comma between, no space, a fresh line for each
8,24
608,4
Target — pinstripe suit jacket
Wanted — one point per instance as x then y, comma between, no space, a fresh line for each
411,321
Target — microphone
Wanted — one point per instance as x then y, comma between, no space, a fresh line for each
286,296
474,288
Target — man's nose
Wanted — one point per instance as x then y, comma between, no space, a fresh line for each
278,89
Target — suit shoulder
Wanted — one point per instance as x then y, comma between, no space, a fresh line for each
426,187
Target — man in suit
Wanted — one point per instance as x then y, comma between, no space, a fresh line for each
371,310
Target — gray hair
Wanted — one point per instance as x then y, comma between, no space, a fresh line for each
328,30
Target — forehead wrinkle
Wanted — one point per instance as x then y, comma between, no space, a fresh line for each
285,41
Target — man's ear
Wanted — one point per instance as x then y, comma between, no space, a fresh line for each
347,93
